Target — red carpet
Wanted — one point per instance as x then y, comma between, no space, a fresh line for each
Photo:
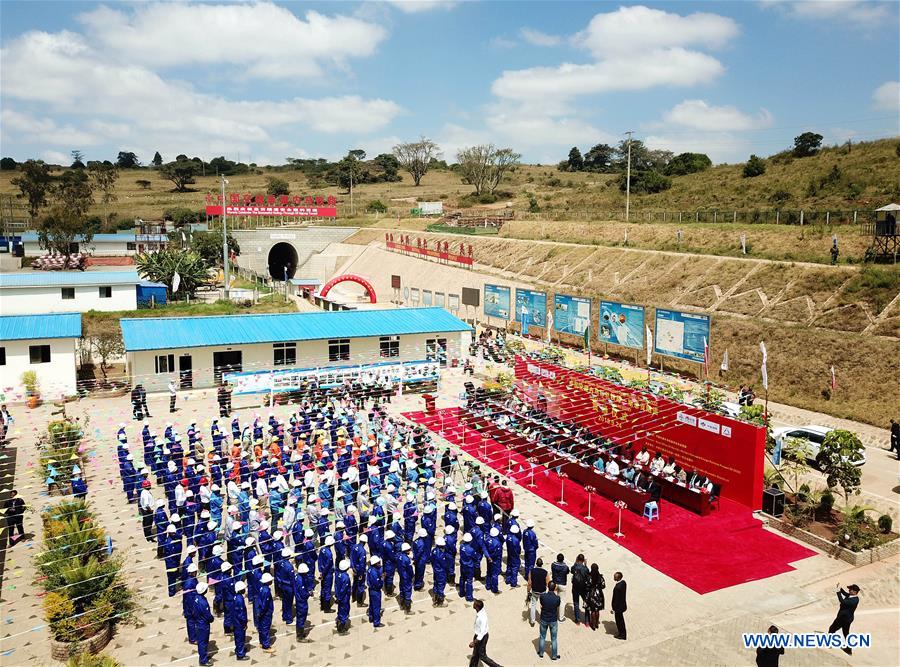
725,548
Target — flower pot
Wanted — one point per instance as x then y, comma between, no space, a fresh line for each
34,400
62,651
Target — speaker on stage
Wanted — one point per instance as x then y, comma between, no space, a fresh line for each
773,502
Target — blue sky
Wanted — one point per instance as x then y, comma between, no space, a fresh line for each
262,81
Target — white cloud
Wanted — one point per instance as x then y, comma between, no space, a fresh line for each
649,69
860,12
527,130
260,39
31,129
453,137
887,97
55,157
418,6
699,115
501,42
636,29
719,146
538,38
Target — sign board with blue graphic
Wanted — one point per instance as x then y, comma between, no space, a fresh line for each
681,335
621,324
496,301
571,314
531,308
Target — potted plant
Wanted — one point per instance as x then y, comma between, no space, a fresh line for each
32,388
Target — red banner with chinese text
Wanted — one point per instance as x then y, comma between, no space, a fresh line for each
442,252
287,211
731,452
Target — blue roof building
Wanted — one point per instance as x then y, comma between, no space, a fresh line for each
28,327
44,344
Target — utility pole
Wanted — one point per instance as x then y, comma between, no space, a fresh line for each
628,178
351,190
224,240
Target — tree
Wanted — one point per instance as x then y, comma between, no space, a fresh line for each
794,456
600,158
645,182
181,215
688,163
127,160
143,183
59,228
576,162
157,160
34,183
836,458
73,190
807,144
104,337
77,160
390,166
358,153
640,156
181,173
349,172
415,157
209,246
104,176
484,166
755,166
162,266
7,164
277,186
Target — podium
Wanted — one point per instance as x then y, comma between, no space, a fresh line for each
773,502
429,402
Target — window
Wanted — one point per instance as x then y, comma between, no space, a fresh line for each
68,293
2,356
165,363
285,353
39,354
439,299
339,349
105,292
130,246
426,297
390,346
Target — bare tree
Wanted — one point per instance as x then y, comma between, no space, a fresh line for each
416,156
484,166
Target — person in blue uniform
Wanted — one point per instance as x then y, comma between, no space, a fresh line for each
172,556
529,547
405,569
188,609
513,556
478,544
450,553
203,619
420,559
225,590
467,557
390,550
325,564
342,593
301,596
160,522
236,613
438,571
214,577
284,584
493,545
79,487
375,581
358,565
263,610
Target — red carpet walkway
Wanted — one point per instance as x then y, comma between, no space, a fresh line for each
726,548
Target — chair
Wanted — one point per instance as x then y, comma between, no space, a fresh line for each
714,496
651,510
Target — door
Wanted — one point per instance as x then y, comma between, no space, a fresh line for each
230,361
442,351
185,371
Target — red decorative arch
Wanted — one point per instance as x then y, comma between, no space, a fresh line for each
349,277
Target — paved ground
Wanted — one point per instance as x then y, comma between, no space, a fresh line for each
668,623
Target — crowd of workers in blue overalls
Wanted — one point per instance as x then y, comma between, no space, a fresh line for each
341,501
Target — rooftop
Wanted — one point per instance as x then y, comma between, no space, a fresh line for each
30,327
68,278
164,333
124,237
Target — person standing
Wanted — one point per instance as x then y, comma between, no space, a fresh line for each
480,640
580,578
594,601
14,510
895,437
375,582
848,600
146,506
550,604
6,421
136,410
236,616
143,395
559,573
264,608
203,619
619,605
538,580
173,392
770,655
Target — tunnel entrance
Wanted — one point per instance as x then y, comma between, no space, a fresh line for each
282,261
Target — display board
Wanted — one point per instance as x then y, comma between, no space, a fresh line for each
621,324
294,379
681,335
496,301
731,452
571,314
471,296
531,308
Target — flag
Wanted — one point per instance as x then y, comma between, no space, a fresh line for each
705,358
649,345
549,326
724,365
765,372
776,454
176,282
524,320
833,380
587,337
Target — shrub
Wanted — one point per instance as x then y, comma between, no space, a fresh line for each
277,186
89,660
533,206
755,166
826,502
377,206
835,458
645,181
885,523
59,450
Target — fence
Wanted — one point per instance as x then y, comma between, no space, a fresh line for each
715,216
